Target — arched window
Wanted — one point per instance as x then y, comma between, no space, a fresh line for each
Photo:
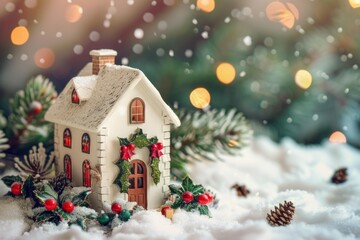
75,97
67,138
85,143
86,174
137,111
67,167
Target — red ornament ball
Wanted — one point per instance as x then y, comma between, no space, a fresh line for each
163,210
116,207
35,107
16,188
210,196
131,146
187,197
68,207
50,204
203,199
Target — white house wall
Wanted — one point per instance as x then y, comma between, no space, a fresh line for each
118,125
78,157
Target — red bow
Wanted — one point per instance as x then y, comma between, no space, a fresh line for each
156,150
126,151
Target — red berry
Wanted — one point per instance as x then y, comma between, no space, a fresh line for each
131,147
68,207
116,207
210,196
187,197
163,209
35,107
203,199
50,204
16,188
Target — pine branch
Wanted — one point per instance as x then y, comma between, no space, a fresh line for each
27,111
207,135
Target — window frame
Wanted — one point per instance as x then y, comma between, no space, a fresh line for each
137,114
68,173
70,136
82,143
86,179
72,97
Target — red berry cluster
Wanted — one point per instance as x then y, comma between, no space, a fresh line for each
202,199
116,208
50,204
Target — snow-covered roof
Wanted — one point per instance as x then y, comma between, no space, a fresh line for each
84,86
103,52
107,89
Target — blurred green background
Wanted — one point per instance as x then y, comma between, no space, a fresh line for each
179,46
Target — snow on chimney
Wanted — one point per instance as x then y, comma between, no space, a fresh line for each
100,58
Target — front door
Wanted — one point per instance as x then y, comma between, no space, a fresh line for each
137,179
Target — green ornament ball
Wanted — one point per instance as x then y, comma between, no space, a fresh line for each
124,215
103,219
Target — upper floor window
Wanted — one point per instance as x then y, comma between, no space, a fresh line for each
67,138
85,143
137,111
75,97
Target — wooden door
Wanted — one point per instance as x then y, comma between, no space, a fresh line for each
137,179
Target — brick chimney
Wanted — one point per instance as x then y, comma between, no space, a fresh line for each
100,58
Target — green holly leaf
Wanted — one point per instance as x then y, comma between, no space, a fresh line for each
187,184
153,140
80,222
197,189
204,210
80,199
46,192
9,180
28,187
155,171
191,207
123,141
46,216
64,216
175,189
177,203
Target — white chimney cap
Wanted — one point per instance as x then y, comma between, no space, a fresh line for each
103,52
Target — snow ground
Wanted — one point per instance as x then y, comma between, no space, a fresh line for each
272,172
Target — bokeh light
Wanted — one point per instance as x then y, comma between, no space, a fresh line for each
354,3
337,137
44,58
225,73
303,79
286,14
19,35
206,5
73,13
200,98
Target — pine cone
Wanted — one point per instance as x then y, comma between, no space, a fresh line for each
282,215
340,176
59,183
241,190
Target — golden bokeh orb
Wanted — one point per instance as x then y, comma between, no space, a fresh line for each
303,79
19,35
200,97
206,5
73,13
337,137
225,73
44,58
354,3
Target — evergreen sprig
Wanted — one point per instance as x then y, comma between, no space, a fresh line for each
27,111
3,143
207,136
